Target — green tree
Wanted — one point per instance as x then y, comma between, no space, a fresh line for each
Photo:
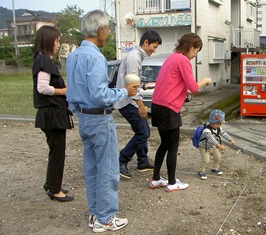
7,51
68,23
109,49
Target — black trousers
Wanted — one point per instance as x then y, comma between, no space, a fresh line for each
56,140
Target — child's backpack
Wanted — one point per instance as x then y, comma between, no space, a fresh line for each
197,134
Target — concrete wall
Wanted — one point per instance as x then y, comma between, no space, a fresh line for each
212,28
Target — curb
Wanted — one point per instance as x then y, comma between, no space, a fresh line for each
248,143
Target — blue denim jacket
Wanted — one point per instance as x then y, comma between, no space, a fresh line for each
87,79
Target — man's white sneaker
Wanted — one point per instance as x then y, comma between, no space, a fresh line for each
177,186
114,224
158,183
92,219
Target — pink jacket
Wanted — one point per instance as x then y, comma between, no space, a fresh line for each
175,78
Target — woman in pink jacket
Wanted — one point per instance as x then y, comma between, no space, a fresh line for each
174,80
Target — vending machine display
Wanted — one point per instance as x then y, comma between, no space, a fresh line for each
253,85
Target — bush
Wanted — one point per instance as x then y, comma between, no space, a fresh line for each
7,51
25,58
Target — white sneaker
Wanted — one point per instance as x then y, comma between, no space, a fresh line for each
158,183
177,186
114,224
92,219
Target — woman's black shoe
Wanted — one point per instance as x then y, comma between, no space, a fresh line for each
60,199
46,188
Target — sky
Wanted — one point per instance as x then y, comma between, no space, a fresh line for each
50,5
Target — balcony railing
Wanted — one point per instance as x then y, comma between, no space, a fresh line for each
245,38
159,6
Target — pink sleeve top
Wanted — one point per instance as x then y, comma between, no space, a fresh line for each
175,78
43,84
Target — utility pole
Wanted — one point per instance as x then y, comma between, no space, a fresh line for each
107,6
15,31
118,32
104,5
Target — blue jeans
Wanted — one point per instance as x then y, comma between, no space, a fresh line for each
138,143
100,163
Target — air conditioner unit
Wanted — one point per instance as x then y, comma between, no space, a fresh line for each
216,52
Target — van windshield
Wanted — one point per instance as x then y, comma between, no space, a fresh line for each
149,73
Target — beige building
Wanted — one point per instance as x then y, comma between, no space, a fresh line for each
28,23
227,29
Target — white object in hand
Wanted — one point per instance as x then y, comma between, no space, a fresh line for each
131,79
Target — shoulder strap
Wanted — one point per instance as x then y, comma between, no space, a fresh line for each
205,126
217,134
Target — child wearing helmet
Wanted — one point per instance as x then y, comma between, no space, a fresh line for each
210,143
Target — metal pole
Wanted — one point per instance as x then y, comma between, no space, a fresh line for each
118,38
194,30
15,31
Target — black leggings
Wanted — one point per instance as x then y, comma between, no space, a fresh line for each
169,144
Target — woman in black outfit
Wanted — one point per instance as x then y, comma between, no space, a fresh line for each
53,116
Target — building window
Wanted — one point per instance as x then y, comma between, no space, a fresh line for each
179,4
251,11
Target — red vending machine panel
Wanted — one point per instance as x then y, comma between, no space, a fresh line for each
253,85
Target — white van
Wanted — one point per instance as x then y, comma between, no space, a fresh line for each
150,69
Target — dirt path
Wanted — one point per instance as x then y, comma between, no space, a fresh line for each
231,204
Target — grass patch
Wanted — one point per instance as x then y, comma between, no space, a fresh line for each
16,92
228,106
229,101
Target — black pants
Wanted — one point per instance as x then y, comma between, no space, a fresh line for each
169,144
56,140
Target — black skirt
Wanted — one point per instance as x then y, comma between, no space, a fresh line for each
165,118
50,118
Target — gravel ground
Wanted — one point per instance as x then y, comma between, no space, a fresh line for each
231,204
